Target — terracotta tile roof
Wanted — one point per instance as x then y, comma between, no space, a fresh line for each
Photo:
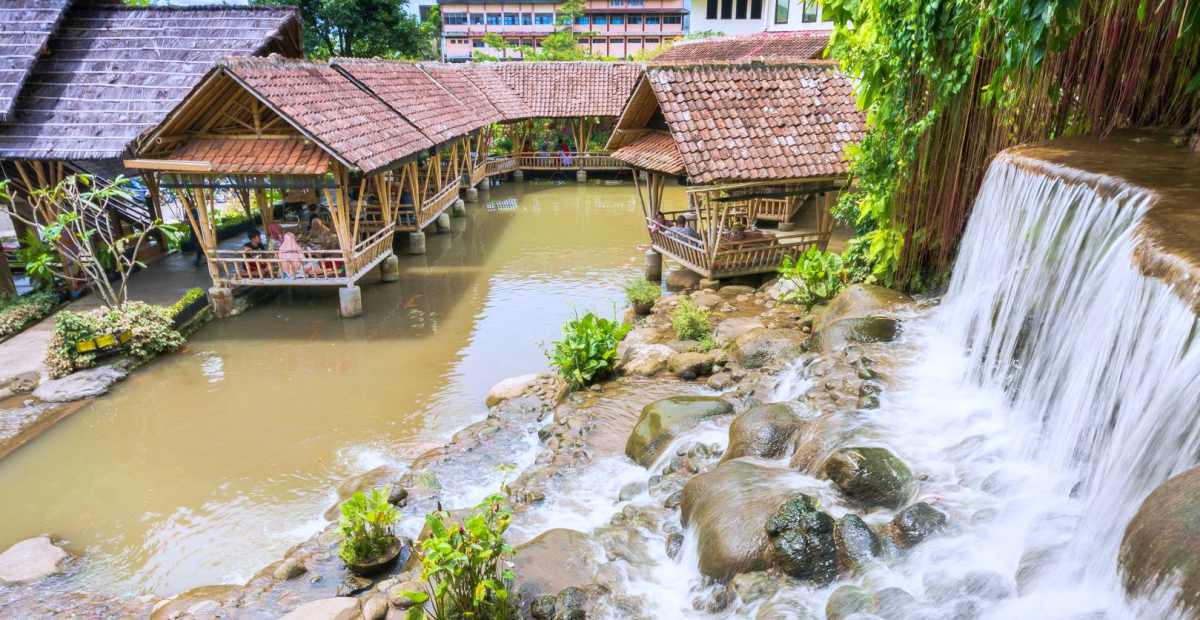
409,90
653,150
567,89
454,78
25,27
764,47
491,83
264,156
758,122
320,101
111,73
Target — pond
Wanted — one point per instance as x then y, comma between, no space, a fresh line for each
211,463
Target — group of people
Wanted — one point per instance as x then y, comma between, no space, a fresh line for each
291,263
680,225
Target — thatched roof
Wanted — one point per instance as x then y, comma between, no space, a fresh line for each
795,46
569,89
111,73
750,122
25,27
294,156
652,150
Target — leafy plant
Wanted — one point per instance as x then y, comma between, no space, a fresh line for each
707,343
818,276
366,526
690,321
641,291
18,313
191,296
462,566
40,260
588,350
151,327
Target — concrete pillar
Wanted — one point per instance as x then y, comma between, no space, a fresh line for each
221,299
389,269
581,176
483,186
472,194
518,175
787,226
653,266
349,301
459,208
443,222
416,242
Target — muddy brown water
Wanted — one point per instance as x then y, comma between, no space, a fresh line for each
211,463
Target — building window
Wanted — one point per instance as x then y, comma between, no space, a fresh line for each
727,9
582,20
617,20
812,13
711,10
651,41
476,19
477,43
755,9
651,20
672,19
526,19
781,11
635,20
456,19
742,5
511,19
616,2
493,19
635,3
543,19
599,20
635,41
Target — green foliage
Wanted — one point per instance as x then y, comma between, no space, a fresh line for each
690,321
707,343
189,297
366,526
40,260
18,313
641,291
359,28
818,276
587,352
462,566
152,329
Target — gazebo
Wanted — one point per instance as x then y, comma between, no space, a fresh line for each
755,142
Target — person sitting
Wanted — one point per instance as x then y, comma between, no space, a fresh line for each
681,227
274,236
291,257
253,247
660,222
566,154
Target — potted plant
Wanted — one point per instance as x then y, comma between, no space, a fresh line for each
641,294
368,544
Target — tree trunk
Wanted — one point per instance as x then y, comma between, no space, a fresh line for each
8,288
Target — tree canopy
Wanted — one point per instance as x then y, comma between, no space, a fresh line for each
361,28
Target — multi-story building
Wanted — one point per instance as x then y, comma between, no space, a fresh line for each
618,28
737,17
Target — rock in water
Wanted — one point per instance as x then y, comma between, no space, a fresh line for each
555,560
570,604
730,329
765,431
861,330
849,600
870,476
856,544
1162,542
690,365
376,608
32,559
916,523
664,420
682,280
645,360
860,300
290,569
542,608
760,347
338,608
80,385
512,387
728,509
784,608
802,540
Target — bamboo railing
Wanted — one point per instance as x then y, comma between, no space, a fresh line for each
567,161
777,209
499,165
319,267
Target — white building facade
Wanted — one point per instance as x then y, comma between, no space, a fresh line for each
739,17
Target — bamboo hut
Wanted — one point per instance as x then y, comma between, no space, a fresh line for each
755,142
83,80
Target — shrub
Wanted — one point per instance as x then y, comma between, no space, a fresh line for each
192,295
151,327
21,312
366,526
588,351
818,276
690,321
461,566
641,291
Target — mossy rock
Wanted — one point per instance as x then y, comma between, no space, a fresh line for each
802,542
765,431
857,301
761,347
863,330
1162,542
870,476
664,420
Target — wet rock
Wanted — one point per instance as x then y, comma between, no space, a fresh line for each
860,300
735,290
290,568
720,381
1033,564
690,365
894,604
856,544
663,420
1162,542
32,559
674,544
752,587
645,360
802,540
870,476
570,604
555,560
764,431
714,600
730,329
916,523
728,509
706,299
847,601
375,608
986,585
630,491
623,543
779,288
784,608
397,495
512,387
354,584
543,608
760,347
77,386
673,500
338,608
965,609
397,594
682,280
862,330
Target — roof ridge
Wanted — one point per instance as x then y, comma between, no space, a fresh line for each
747,63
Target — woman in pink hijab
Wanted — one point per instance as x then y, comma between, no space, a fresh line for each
291,257
275,234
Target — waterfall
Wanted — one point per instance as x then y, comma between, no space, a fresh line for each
1095,358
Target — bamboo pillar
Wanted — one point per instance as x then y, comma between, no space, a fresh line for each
151,180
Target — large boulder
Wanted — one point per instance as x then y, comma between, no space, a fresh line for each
337,608
916,523
862,330
706,299
689,365
802,544
731,329
32,559
682,280
858,301
80,385
856,544
512,387
645,360
664,420
728,509
760,347
554,560
1162,542
765,431
870,476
